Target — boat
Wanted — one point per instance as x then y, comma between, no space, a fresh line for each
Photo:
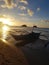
25,39
29,36
36,51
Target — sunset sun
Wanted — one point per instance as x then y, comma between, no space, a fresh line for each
5,21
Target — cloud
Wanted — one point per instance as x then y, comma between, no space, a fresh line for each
38,9
45,21
5,16
9,4
24,1
22,14
30,12
22,7
1,16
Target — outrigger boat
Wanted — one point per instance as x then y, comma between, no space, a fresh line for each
25,39
29,36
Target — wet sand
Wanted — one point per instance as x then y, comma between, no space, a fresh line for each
10,55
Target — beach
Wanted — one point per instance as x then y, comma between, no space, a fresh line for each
11,55
35,52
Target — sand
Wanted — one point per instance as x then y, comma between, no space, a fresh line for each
36,53
11,55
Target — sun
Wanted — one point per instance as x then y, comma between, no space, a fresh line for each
6,21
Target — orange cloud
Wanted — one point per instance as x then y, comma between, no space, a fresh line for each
30,12
9,4
24,1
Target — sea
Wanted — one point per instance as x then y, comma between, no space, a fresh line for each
17,30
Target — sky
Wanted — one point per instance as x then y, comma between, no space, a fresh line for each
29,12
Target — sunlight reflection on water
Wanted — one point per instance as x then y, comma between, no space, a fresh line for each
5,31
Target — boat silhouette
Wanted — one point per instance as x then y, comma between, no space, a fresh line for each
25,39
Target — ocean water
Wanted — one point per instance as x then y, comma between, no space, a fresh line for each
26,30
44,33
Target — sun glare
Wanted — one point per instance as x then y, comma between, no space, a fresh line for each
5,21
5,28
5,31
